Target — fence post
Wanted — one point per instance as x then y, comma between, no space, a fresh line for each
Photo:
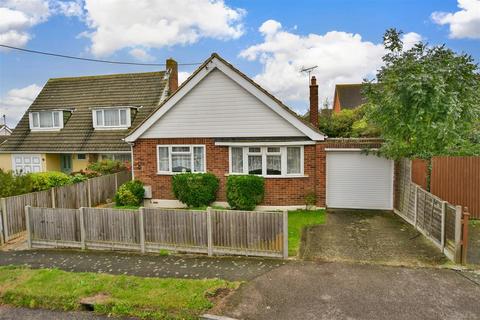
27,222
2,241
82,227
3,203
416,206
116,181
442,241
142,229
285,234
209,232
53,198
89,193
465,219
458,234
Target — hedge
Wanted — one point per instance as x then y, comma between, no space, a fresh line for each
245,192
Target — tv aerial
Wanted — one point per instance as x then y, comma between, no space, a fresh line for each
308,70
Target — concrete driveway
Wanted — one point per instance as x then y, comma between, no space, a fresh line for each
369,237
318,290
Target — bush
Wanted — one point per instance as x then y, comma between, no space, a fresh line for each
46,180
310,200
12,185
78,177
130,193
245,192
195,189
107,167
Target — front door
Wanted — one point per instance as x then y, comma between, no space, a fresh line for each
66,163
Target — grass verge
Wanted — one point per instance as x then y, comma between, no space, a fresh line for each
296,221
146,298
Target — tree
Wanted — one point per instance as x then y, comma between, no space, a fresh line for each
426,101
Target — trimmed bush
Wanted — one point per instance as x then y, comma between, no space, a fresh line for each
245,192
12,184
195,189
107,167
46,180
130,193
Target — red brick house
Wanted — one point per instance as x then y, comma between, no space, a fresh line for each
347,96
220,121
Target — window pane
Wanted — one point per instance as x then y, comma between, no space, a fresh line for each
111,118
163,159
180,149
46,120
123,117
254,149
198,159
181,162
237,160
273,149
56,119
255,164
35,120
123,157
293,160
274,165
99,115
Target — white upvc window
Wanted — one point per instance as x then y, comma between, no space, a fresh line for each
111,118
180,158
268,161
46,120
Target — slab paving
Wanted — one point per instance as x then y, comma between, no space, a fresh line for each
172,266
369,237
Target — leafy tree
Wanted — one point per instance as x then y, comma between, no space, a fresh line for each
426,102
346,123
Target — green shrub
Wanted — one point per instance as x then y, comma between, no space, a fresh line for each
130,193
245,192
310,200
46,180
78,177
107,166
195,189
12,185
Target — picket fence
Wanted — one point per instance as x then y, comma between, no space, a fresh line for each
89,193
250,233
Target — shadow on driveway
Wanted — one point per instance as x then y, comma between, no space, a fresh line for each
368,236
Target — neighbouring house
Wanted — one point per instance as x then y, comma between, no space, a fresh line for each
5,132
347,96
221,121
78,120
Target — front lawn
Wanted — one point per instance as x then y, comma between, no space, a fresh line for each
150,298
296,221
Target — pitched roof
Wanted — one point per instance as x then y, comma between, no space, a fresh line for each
81,94
144,125
349,95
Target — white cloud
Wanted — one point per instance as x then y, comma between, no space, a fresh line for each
341,58
16,101
182,76
158,23
410,39
141,55
464,23
69,8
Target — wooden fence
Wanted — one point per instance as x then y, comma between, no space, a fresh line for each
454,179
435,218
84,194
251,233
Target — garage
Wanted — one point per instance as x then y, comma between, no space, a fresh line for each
26,163
358,181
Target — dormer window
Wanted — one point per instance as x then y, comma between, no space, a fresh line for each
46,120
111,118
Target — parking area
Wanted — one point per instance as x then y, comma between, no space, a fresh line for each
368,236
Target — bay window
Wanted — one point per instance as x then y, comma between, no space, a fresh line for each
111,118
267,161
177,159
46,120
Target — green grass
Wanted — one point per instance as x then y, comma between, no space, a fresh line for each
296,221
146,298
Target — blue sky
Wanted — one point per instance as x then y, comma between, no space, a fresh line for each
268,40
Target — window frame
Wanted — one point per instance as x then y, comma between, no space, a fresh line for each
103,126
190,152
39,128
264,152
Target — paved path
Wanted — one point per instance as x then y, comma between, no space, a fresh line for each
184,266
371,237
10,313
327,291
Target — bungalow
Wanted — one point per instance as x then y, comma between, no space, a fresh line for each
221,121
78,120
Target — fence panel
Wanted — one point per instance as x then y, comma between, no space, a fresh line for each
101,189
55,228
72,196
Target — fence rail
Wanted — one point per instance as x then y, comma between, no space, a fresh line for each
251,233
435,218
84,194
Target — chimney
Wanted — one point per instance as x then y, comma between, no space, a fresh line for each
314,102
172,68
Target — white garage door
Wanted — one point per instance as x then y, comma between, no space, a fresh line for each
356,180
26,163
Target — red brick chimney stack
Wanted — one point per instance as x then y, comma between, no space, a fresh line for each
314,102
172,68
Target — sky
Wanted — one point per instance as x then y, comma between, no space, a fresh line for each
270,41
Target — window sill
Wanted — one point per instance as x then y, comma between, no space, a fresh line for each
110,128
271,177
45,129
173,173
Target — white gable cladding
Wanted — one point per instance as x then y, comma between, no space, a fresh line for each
219,107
